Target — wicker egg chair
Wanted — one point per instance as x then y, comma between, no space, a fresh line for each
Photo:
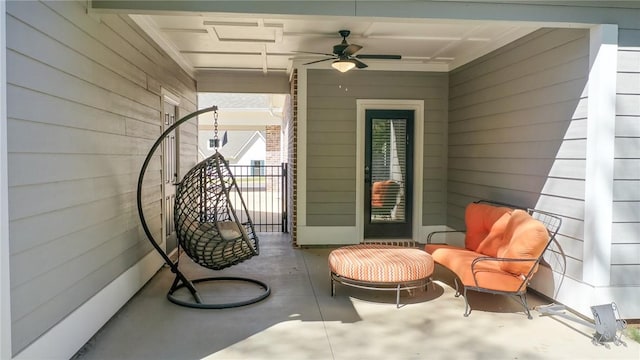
208,227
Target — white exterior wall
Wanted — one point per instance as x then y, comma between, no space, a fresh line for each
256,151
330,148
84,97
533,124
253,148
517,130
625,251
5,307
625,229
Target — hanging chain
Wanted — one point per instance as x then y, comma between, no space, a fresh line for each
216,140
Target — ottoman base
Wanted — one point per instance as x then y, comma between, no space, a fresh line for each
368,285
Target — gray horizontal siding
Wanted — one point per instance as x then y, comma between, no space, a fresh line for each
625,251
83,110
188,140
517,133
331,139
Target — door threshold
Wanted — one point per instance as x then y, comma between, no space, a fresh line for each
396,242
173,255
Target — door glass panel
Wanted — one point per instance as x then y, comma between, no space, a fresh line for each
170,165
388,170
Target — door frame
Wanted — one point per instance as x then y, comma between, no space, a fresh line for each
173,99
417,106
391,229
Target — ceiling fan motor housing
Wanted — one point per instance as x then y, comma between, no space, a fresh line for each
339,49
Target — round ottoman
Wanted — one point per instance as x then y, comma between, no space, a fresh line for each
380,267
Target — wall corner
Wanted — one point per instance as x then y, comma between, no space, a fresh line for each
598,207
5,283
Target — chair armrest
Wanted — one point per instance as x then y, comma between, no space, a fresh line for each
431,234
499,203
503,259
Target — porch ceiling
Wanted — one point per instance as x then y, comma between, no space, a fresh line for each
213,41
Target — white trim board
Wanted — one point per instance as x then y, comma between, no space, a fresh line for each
5,285
68,336
348,235
301,164
147,24
600,154
170,97
362,105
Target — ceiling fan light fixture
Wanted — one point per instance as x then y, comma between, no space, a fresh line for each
343,65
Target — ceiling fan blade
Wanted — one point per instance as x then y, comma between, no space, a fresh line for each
351,49
359,64
317,61
314,53
383,57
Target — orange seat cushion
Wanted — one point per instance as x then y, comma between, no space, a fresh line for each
528,239
488,273
431,248
479,220
381,263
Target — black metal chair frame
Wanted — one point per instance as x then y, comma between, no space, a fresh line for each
181,280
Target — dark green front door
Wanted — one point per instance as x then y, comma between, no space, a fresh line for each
388,173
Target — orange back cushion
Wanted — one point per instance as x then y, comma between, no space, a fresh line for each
495,239
379,191
479,219
528,239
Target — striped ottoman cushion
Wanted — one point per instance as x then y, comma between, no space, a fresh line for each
381,263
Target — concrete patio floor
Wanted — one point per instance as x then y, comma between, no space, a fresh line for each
300,320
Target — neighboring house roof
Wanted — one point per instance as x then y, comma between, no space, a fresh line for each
238,142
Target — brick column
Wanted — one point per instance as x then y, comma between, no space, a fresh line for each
273,145
292,142
273,156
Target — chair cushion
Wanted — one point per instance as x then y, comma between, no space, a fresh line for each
479,220
383,193
229,230
528,239
381,263
431,248
488,273
495,239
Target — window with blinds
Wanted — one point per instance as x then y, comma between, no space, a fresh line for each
388,169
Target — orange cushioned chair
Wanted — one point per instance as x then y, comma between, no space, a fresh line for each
502,250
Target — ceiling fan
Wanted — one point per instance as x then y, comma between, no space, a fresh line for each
343,55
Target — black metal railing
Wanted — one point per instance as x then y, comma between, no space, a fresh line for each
264,190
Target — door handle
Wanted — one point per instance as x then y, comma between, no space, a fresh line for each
367,174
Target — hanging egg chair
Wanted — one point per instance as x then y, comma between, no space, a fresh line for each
209,229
